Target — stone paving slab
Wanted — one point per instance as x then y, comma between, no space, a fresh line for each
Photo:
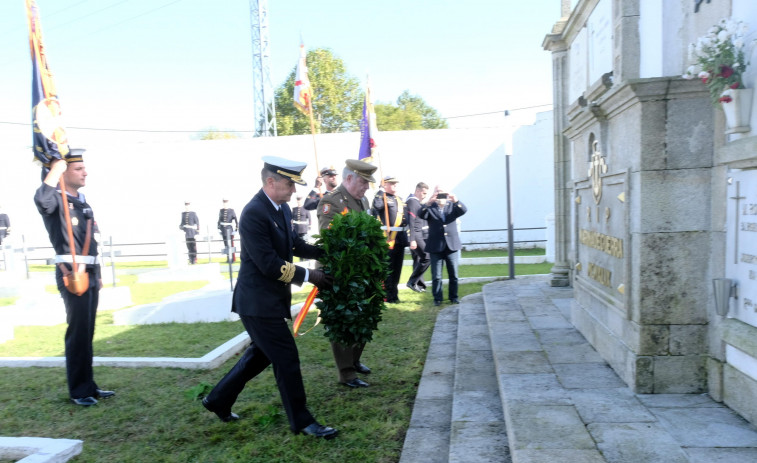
707,427
39,449
478,442
610,406
636,443
531,426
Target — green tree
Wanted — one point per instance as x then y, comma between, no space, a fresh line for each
337,98
410,113
212,133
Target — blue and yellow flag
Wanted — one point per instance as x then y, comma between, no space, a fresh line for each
49,135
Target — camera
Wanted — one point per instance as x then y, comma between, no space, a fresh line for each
442,196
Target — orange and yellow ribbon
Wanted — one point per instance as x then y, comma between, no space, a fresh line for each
303,313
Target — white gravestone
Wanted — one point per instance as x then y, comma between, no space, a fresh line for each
741,243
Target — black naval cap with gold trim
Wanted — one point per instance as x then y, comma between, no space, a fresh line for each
289,169
362,169
75,155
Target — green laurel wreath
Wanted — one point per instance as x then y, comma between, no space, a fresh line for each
356,255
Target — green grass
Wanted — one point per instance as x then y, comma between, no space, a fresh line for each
152,419
7,301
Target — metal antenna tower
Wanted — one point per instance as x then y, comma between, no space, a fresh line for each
265,108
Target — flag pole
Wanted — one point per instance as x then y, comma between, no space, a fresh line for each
315,149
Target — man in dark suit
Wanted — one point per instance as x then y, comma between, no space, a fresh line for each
190,224
443,244
417,234
262,298
5,225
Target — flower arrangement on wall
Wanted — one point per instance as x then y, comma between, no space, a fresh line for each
720,59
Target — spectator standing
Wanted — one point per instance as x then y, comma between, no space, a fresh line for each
443,244
417,235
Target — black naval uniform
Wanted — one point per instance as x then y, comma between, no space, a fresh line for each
399,230
301,221
227,224
191,225
80,310
5,226
311,202
262,298
418,232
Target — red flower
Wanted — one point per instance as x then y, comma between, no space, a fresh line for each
735,85
726,71
725,99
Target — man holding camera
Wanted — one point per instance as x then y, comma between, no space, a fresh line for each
443,243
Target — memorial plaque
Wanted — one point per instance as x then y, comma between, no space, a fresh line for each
600,216
578,67
741,242
599,28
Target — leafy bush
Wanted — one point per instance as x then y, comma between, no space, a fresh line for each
356,256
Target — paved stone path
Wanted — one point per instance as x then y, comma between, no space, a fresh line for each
509,379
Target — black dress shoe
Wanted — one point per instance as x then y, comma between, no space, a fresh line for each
437,303
357,382
454,301
362,369
395,300
318,430
223,416
100,394
414,288
85,401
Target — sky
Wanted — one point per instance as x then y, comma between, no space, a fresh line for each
164,70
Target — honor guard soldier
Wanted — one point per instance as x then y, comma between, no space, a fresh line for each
328,175
80,309
263,297
417,234
349,196
396,232
190,224
300,219
228,225
5,225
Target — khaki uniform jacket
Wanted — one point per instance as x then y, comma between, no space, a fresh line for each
336,202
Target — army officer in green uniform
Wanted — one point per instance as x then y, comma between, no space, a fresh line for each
350,195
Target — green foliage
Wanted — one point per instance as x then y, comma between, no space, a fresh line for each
213,133
356,256
198,391
337,98
410,113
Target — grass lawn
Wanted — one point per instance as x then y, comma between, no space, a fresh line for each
154,419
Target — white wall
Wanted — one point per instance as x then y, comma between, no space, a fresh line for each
137,191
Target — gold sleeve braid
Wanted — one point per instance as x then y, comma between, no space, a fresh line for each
287,272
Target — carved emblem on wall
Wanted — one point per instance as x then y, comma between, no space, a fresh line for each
597,168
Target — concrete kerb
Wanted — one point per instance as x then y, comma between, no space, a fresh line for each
39,449
209,361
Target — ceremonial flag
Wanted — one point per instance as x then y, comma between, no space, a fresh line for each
48,133
302,90
368,130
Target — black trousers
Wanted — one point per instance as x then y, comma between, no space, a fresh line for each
80,316
396,258
228,241
192,248
421,262
272,344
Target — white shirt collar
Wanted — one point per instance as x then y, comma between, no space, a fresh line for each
275,206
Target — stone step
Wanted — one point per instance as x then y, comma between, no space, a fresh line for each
427,438
477,431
